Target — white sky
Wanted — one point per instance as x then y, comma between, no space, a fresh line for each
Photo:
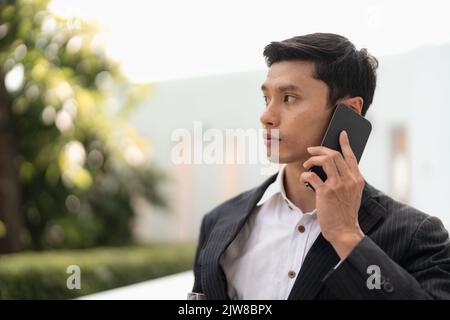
170,39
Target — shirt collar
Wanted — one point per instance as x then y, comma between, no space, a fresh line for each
274,188
277,187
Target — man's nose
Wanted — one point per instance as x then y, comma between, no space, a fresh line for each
271,116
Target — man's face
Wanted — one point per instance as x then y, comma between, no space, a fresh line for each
297,105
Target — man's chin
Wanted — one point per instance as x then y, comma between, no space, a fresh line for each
276,158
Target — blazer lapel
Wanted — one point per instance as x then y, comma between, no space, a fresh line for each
225,230
322,257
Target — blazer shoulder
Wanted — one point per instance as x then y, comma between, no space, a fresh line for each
235,202
397,212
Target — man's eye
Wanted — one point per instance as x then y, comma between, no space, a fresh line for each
266,99
289,98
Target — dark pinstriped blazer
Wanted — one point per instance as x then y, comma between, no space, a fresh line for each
411,249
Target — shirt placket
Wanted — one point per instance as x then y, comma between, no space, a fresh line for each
296,249
292,248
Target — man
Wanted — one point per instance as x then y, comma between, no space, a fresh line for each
346,240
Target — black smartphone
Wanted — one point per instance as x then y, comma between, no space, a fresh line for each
358,130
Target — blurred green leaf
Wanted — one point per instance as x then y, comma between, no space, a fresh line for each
70,141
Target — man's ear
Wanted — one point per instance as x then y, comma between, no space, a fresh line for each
356,103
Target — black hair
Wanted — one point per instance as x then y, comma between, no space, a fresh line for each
346,71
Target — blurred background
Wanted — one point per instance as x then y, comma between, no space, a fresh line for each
92,91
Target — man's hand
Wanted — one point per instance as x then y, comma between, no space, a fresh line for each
338,198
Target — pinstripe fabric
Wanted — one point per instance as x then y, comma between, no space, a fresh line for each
411,248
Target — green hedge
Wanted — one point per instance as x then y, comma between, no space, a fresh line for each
43,275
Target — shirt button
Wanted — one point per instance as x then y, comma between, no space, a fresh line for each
301,228
388,287
291,274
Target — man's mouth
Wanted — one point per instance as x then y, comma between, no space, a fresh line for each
270,138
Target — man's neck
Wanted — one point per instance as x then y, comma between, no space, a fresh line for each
302,197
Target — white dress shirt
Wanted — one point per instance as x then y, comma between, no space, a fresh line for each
264,259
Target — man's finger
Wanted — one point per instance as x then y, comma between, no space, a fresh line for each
311,178
347,151
326,162
339,162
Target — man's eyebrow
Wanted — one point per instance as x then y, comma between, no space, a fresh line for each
283,88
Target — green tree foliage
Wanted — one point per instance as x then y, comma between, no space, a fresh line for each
81,166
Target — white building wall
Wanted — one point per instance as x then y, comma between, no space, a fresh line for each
412,93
